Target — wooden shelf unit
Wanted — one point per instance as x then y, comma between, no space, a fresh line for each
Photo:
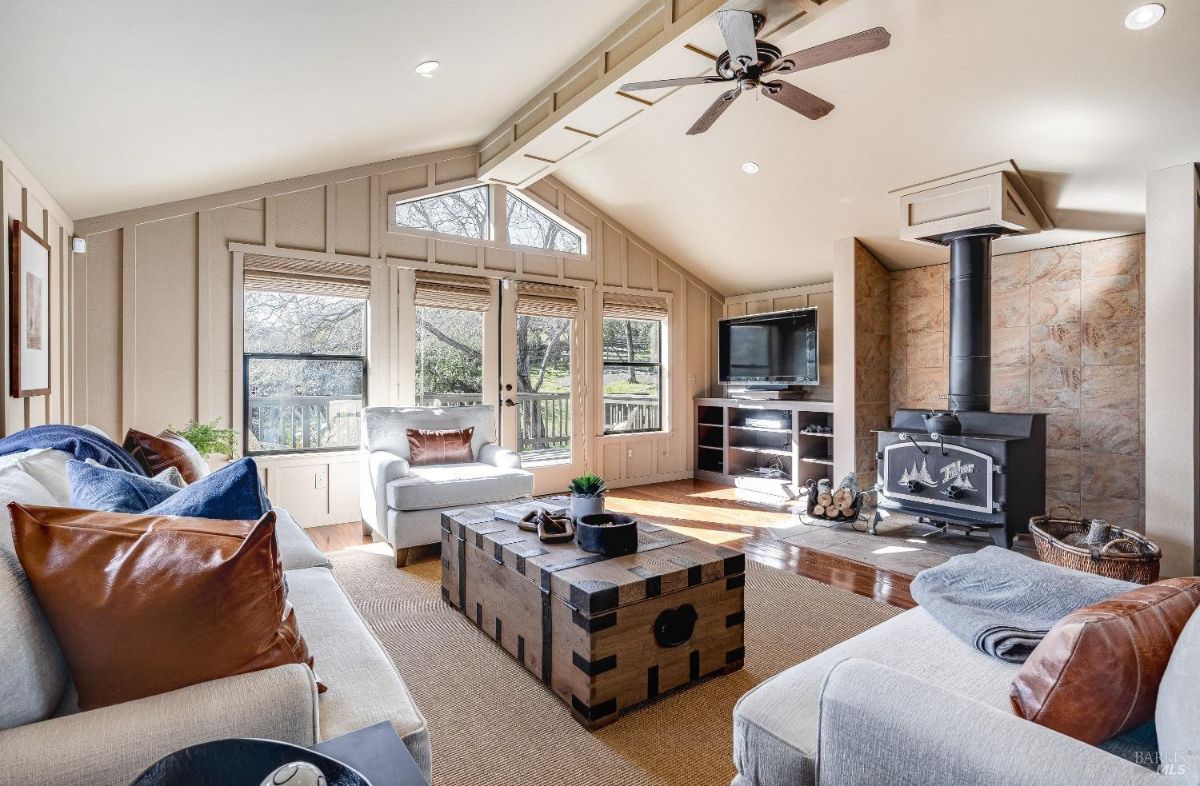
736,437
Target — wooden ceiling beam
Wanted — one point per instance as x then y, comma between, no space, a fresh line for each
582,107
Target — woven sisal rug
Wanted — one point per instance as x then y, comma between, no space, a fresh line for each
494,724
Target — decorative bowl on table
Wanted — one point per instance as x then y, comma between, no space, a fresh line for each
610,534
241,762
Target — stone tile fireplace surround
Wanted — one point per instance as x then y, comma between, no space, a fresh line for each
1068,339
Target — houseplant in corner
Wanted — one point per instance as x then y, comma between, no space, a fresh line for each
587,495
213,442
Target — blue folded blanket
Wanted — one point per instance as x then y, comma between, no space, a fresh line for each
1004,603
81,443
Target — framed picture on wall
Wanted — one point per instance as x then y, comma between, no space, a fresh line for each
29,309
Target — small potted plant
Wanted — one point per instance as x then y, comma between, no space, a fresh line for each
587,495
213,442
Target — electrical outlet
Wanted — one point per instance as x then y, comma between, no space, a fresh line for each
629,453
319,480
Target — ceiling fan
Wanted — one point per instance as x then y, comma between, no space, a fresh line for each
751,63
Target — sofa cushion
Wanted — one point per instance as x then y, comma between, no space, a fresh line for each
386,428
1097,672
142,604
1177,712
94,487
16,485
364,685
233,492
167,449
775,723
34,674
454,485
296,548
49,467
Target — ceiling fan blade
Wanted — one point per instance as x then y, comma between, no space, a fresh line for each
839,49
738,29
713,112
811,106
681,82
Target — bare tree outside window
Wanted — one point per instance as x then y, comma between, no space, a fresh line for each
449,355
528,226
463,213
544,385
632,350
304,368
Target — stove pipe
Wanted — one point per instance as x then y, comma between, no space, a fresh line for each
971,319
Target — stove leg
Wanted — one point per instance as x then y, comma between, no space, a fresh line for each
1000,537
874,521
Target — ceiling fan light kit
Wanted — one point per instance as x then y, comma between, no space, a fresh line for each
752,64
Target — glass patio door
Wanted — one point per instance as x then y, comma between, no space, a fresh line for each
541,389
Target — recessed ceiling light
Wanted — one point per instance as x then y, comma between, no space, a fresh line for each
1145,16
427,68
749,167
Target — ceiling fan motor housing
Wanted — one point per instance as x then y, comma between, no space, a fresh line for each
767,55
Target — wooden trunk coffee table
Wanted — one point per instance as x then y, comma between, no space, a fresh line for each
605,634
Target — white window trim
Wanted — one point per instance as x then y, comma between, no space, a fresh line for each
664,374
429,193
532,201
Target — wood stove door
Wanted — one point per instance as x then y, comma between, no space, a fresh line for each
941,474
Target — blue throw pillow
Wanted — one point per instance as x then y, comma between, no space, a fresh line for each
94,487
232,492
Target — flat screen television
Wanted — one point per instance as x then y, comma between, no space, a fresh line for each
769,351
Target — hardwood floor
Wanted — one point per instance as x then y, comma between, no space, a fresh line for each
712,513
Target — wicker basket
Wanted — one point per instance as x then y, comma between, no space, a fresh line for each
1128,557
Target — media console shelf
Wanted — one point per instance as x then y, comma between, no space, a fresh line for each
763,446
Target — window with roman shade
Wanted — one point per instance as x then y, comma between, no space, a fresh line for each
631,346
547,300
450,312
546,316
304,353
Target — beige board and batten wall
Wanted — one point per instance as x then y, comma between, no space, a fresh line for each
157,336
25,199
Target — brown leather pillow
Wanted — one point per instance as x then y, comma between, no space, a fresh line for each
1096,673
168,449
449,446
142,605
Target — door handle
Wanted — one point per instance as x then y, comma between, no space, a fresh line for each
508,402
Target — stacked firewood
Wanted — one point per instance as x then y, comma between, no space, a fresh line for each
837,504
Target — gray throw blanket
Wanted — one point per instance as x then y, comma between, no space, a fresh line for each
1003,603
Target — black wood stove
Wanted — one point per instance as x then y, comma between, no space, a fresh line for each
970,467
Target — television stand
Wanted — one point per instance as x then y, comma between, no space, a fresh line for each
782,394
766,448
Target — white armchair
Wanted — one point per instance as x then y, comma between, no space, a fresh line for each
404,503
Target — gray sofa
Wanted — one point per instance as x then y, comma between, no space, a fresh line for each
906,702
404,503
56,745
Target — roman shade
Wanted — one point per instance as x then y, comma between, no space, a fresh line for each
547,300
306,276
626,305
438,290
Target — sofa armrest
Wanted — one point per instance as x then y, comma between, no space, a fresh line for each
881,727
379,467
113,745
493,454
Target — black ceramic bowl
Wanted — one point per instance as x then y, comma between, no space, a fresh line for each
241,762
610,534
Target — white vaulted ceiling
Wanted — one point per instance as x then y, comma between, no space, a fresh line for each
1083,105
135,102
127,103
